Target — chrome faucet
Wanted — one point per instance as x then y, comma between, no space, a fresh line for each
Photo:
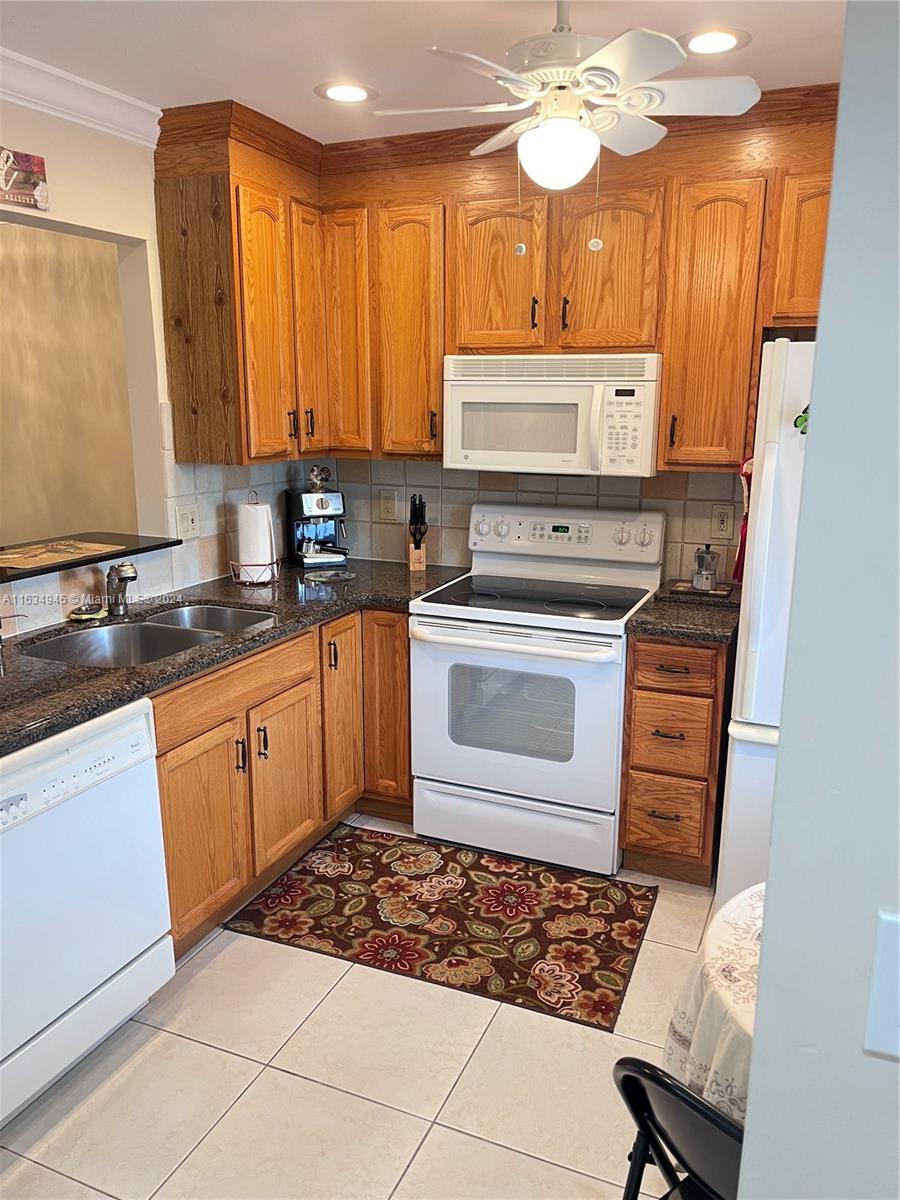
118,577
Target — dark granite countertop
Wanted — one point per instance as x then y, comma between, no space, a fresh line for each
688,618
39,697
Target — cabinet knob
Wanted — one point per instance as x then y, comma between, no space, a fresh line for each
293,430
310,414
673,425
241,746
534,308
432,425
564,315
658,816
332,656
672,737
262,749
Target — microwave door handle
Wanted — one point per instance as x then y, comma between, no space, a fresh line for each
595,426
605,654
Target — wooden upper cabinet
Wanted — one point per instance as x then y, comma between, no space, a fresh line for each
499,270
609,292
204,799
800,253
265,290
308,261
709,345
409,301
347,327
286,771
342,712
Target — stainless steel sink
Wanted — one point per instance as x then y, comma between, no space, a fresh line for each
119,645
214,617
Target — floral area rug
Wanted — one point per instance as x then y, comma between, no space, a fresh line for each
542,937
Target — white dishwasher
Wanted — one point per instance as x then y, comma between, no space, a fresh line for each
84,910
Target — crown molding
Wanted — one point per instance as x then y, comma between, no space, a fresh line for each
48,90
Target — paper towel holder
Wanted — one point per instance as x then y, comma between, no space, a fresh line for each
255,575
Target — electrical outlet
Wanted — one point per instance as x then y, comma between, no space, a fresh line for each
187,520
387,505
722,522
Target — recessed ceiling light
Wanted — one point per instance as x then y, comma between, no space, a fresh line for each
714,41
345,93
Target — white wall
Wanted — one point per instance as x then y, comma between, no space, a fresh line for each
823,1116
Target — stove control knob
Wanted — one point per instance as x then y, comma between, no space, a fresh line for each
645,537
482,527
622,536
501,528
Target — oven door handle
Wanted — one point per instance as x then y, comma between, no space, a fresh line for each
606,653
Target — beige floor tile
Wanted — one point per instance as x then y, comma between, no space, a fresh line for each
545,1086
679,917
652,991
125,1117
454,1166
24,1180
287,1138
399,1041
243,994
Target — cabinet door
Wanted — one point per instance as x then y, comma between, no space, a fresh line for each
342,712
386,704
286,771
610,269
265,279
308,260
205,799
499,260
709,326
347,327
410,306
802,226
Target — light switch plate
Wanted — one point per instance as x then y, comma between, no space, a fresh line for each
883,1022
387,505
187,521
721,523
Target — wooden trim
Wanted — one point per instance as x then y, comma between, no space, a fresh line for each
224,119
780,106
669,866
388,810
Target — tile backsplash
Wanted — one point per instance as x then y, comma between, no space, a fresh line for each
686,499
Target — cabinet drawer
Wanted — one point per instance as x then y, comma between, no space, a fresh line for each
665,814
671,733
186,711
673,668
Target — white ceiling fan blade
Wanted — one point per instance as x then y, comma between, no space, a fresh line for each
505,137
635,56
467,108
625,133
727,96
491,70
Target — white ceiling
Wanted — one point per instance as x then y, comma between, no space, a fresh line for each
270,55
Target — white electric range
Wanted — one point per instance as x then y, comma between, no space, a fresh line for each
518,681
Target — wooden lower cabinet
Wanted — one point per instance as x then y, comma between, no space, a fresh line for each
342,711
285,771
676,697
386,704
205,798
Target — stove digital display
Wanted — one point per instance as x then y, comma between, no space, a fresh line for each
560,528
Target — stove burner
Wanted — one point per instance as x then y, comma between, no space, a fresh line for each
567,605
483,594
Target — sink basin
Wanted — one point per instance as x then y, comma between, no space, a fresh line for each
119,645
211,616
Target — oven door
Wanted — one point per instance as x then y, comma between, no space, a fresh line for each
526,713
523,426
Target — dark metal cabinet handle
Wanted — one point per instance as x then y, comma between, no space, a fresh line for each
673,670
564,315
534,306
292,418
262,732
673,424
674,737
241,764
310,414
658,816
332,656
432,425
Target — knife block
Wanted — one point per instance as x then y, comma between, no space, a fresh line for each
416,558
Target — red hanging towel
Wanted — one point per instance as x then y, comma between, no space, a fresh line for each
746,480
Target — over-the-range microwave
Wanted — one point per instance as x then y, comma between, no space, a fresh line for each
566,414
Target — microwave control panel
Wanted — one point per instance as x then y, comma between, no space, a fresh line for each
628,426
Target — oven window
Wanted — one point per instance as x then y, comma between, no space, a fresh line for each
512,712
527,427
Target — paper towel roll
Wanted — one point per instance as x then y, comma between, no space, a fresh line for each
255,543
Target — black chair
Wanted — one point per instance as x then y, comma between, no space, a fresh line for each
674,1121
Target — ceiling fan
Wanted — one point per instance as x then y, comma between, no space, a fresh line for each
587,92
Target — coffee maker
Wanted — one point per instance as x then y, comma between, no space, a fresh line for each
314,522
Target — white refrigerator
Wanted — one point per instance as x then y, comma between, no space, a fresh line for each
778,457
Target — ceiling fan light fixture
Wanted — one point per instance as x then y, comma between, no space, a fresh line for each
345,93
558,153
714,41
